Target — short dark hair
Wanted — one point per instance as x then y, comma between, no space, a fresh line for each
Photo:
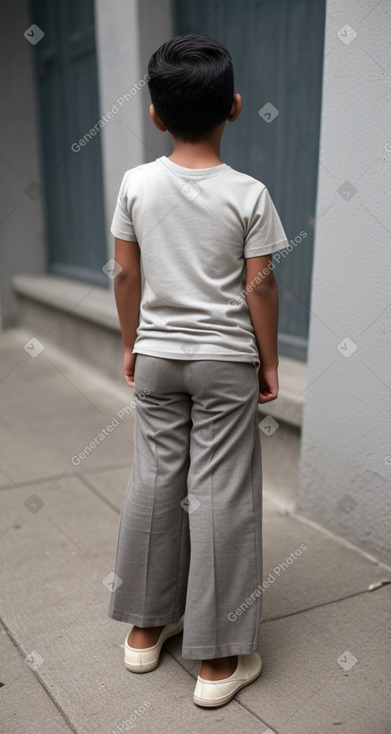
191,83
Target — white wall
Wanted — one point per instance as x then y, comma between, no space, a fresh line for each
347,417
22,226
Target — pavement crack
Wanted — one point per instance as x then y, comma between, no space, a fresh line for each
97,493
372,587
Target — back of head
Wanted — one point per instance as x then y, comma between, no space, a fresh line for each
191,85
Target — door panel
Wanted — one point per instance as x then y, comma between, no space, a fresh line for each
69,107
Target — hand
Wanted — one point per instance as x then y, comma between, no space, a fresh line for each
129,366
268,384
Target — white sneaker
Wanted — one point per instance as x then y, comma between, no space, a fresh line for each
218,692
144,659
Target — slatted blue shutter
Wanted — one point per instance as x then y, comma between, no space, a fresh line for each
277,51
68,108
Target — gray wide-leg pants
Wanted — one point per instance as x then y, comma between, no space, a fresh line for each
190,531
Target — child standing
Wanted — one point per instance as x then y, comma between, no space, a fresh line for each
198,309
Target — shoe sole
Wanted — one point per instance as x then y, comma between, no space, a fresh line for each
221,701
142,668
146,668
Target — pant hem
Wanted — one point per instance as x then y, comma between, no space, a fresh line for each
221,651
142,621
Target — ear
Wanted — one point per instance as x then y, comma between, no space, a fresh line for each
155,119
236,108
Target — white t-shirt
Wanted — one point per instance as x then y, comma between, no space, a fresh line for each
195,227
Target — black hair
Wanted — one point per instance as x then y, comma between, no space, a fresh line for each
191,83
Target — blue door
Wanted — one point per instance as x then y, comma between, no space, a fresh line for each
67,86
277,51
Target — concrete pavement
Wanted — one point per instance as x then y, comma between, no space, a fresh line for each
325,637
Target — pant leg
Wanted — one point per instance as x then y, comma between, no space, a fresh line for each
153,547
225,477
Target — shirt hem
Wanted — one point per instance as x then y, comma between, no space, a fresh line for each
269,250
123,235
220,356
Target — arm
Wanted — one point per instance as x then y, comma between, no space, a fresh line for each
127,291
263,303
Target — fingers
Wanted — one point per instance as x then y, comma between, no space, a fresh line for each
267,397
268,387
129,368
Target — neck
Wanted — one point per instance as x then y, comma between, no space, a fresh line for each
202,154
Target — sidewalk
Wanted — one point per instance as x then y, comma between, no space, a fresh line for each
325,638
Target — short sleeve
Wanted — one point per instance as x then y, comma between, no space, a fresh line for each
265,233
122,225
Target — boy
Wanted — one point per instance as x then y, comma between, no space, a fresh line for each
198,309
